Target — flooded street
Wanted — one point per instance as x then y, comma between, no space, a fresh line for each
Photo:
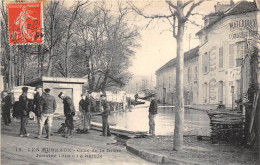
195,122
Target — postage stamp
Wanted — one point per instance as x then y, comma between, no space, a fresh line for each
25,23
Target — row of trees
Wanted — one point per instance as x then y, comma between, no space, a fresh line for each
88,39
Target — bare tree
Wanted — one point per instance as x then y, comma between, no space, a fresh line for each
179,13
103,46
69,34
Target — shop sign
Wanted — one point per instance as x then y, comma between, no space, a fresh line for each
242,28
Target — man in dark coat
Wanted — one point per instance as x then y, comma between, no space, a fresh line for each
152,114
92,101
48,107
69,112
23,102
36,103
105,113
6,107
37,109
84,106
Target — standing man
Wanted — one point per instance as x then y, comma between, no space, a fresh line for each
47,107
84,107
37,107
24,108
105,113
152,114
92,101
69,112
6,107
90,106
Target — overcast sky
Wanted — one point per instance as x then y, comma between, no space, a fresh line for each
157,48
158,45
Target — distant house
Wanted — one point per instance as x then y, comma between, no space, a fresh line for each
166,79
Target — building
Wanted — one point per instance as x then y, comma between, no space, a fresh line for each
223,46
166,79
69,86
140,83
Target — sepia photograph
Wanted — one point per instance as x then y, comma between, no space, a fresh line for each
130,82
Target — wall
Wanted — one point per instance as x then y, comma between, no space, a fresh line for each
66,88
228,33
166,80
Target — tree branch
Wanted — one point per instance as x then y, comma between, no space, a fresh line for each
139,12
192,7
172,5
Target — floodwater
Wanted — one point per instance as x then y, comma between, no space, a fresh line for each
196,122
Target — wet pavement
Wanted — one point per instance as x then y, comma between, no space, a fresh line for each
196,122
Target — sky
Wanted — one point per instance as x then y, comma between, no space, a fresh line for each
158,45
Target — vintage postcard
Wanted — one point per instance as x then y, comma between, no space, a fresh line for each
130,82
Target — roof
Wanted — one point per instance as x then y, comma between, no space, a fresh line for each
239,8
187,56
66,80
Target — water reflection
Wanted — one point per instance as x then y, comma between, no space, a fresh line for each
195,122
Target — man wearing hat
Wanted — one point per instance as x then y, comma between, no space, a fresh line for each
47,107
69,112
23,102
84,107
152,114
105,113
6,107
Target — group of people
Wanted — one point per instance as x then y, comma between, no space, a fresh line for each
44,106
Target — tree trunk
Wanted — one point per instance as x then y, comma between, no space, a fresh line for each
10,70
22,69
67,59
50,63
179,114
103,86
39,61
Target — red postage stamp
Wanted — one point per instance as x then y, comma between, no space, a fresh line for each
25,23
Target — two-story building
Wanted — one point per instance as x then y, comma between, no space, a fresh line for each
223,46
166,79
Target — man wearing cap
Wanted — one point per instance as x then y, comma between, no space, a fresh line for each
105,113
23,102
84,107
47,107
152,114
6,107
69,112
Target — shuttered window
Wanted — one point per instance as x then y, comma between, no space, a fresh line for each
221,62
205,63
231,55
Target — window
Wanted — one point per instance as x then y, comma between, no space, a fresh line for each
205,92
241,51
169,83
220,91
196,73
221,62
189,73
238,87
205,63
231,55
